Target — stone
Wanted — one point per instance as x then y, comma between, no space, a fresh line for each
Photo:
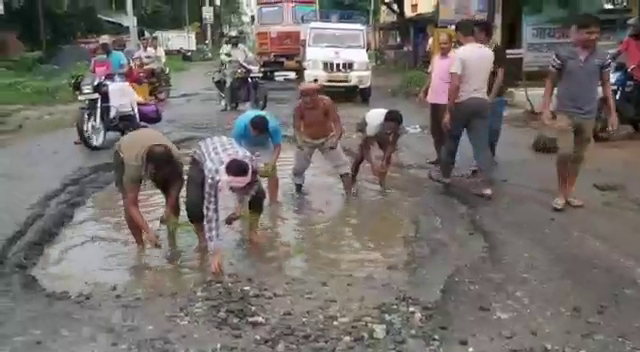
507,334
379,331
256,320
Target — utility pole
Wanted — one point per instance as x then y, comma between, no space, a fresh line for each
207,3
186,15
43,35
133,31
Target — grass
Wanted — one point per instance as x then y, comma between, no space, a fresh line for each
175,63
42,85
411,82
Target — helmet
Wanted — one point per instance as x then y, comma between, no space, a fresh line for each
104,39
634,26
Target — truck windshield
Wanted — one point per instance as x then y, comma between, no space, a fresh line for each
336,38
304,13
270,15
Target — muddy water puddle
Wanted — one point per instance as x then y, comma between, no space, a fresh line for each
305,236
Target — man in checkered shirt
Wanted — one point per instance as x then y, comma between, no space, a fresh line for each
217,161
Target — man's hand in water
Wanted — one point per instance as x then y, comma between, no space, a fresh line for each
153,239
382,176
216,262
231,218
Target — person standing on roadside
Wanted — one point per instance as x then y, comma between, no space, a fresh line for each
468,107
317,126
436,91
216,161
484,35
259,132
146,154
577,70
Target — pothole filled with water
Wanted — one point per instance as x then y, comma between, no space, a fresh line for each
315,234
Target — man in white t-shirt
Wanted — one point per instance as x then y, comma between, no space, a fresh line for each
468,107
147,54
383,127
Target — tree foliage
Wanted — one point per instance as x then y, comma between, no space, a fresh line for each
61,27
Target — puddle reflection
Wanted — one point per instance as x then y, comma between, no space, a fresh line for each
316,233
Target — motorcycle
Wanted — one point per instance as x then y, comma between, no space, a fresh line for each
245,88
98,116
626,94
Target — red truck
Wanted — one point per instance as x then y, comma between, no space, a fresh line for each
280,29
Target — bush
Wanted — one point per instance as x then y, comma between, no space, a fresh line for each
412,82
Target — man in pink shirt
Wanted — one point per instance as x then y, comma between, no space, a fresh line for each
436,92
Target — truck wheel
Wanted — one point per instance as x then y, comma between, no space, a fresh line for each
365,95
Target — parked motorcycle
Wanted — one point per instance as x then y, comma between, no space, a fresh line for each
245,88
626,93
98,116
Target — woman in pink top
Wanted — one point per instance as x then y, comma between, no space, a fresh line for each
436,92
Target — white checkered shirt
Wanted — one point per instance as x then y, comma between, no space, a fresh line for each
213,153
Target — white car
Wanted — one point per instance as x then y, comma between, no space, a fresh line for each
336,57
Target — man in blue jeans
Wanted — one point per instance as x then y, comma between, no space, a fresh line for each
483,33
259,132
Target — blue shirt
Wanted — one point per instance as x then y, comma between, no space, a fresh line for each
118,61
242,132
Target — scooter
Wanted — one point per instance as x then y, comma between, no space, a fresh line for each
626,94
245,88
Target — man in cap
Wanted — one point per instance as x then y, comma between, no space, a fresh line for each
231,54
317,126
220,160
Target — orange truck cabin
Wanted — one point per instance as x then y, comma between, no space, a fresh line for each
280,29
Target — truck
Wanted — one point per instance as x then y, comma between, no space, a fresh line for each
280,28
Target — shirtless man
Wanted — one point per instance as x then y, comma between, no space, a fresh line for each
317,126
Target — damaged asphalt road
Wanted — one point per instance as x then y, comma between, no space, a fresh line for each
416,269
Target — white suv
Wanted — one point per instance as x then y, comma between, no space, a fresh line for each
336,57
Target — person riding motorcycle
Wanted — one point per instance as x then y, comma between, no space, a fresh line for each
631,47
231,55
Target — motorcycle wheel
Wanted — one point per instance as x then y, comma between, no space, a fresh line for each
91,129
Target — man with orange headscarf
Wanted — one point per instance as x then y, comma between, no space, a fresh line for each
317,126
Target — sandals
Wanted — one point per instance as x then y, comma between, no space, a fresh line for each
559,203
486,193
575,202
437,177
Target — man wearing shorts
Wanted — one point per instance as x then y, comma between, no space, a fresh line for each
147,154
383,127
259,132
578,70
217,161
317,126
